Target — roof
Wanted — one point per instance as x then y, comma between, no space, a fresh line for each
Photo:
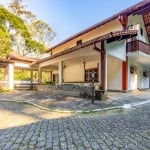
4,62
117,35
15,57
135,9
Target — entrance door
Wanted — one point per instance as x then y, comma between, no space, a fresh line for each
133,81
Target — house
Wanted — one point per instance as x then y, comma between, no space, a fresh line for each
116,50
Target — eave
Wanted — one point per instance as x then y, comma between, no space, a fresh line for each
135,9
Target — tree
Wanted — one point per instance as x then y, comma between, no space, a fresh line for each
10,22
40,31
5,40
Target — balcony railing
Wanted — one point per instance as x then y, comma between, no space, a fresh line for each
137,45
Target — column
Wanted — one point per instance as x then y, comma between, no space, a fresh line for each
103,68
51,76
31,76
60,69
11,76
125,75
39,75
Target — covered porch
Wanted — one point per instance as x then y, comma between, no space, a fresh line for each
75,65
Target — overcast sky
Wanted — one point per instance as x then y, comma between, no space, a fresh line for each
68,17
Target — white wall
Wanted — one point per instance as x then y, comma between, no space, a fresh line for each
117,49
75,72
137,80
114,74
137,22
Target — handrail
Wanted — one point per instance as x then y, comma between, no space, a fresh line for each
138,46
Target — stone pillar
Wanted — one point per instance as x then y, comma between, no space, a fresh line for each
11,76
60,69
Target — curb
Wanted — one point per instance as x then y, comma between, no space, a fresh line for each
125,106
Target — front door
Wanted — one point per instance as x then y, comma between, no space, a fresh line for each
133,81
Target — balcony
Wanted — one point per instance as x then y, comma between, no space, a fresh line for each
138,46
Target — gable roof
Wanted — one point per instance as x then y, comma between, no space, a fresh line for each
135,9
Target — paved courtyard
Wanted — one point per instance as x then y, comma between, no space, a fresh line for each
62,102
24,127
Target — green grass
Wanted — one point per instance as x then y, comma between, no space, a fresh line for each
5,90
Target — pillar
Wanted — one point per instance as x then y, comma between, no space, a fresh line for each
103,68
11,76
60,69
51,76
31,76
125,75
39,75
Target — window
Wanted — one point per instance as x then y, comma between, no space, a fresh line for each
88,74
79,42
141,31
145,73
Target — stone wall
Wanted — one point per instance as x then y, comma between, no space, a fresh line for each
67,89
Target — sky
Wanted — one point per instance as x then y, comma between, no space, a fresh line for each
68,17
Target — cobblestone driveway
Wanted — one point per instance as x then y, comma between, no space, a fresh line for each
23,127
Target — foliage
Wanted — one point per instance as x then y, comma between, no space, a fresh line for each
5,42
45,76
2,75
19,25
23,75
40,31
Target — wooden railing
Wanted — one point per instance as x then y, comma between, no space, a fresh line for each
138,46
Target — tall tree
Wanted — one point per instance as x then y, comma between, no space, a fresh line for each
10,25
5,40
39,30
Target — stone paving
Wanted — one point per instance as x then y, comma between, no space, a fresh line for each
24,127
62,102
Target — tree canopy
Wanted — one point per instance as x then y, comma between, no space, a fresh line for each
17,24
39,30
21,31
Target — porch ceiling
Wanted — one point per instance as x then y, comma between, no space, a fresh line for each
140,58
86,53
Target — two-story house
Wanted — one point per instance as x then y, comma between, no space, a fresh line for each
116,49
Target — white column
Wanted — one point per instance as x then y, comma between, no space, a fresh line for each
11,76
60,69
